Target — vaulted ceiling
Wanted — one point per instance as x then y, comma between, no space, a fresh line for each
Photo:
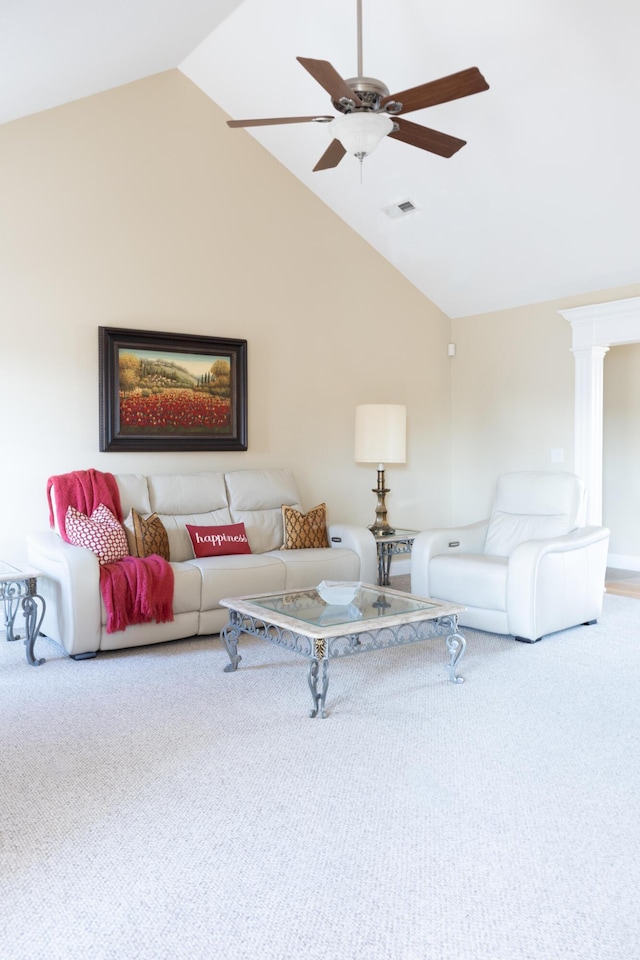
543,202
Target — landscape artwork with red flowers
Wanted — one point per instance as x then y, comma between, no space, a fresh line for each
171,391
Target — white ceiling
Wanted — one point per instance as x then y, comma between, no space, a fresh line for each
543,202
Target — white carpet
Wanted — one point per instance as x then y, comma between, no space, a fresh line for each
153,807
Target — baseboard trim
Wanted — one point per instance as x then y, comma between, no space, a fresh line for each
621,561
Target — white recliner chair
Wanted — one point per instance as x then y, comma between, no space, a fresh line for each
531,569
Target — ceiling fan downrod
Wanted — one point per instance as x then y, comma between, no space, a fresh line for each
369,90
359,29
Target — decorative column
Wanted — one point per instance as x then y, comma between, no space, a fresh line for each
595,328
589,374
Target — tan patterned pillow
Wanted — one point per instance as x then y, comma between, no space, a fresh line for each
302,531
146,535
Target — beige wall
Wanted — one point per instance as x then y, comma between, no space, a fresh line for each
512,394
140,208
513,403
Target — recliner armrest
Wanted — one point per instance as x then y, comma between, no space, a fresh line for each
557,582
71,587
447,540
362,542
576,540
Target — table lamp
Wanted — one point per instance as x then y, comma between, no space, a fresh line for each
381,437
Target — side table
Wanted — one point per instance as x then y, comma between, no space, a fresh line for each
19,587
390,545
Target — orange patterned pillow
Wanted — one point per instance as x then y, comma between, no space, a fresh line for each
146,535
303,531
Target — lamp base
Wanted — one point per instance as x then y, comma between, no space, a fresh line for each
380,530
381,527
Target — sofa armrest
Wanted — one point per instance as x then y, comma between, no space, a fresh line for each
71,587
558,583
362,542
448,540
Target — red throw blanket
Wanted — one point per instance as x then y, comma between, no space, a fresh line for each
135,589
84,490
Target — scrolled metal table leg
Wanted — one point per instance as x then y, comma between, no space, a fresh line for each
319,699
32,624
385,552
230,636
456,645
11,605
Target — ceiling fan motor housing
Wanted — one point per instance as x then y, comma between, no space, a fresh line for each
370,92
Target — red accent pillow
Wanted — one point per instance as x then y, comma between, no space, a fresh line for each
218,541
102,533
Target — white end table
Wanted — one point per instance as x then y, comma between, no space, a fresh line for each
19,588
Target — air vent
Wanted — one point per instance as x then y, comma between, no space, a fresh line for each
397,210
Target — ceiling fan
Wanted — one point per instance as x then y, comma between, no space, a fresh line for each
369,112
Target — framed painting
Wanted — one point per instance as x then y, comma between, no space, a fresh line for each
169,391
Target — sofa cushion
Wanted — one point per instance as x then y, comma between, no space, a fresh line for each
255,499
146,535
473,580
238,576
533,505
304,531
191,493
508,530
218,541
101,533
260,489
134,493
308,568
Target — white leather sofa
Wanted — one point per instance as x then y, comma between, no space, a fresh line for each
531,569
75,614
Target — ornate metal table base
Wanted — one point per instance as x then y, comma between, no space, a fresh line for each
320,651
319,699
22,593
387,547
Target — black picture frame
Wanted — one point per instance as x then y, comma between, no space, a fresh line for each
153,398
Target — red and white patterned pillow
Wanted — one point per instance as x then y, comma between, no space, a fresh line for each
101,533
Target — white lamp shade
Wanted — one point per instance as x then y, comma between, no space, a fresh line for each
381,433
360,133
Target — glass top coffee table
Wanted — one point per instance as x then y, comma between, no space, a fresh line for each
354,619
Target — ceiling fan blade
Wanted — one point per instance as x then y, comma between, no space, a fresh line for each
331,157
426,139
270,120
456,85
329,78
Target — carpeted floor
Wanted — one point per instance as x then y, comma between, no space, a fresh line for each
153,807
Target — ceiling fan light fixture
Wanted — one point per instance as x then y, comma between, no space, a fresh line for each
360,133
